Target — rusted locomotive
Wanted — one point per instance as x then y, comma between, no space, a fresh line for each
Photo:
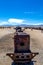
22,52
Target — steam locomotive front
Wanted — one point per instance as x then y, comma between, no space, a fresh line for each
22,47
22,52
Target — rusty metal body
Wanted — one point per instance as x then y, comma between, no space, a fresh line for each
22,52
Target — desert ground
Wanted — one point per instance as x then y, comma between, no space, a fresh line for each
7,45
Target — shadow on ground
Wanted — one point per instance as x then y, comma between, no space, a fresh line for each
28,63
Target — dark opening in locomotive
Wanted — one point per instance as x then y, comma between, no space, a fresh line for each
21,44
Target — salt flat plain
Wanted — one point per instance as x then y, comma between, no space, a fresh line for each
7,45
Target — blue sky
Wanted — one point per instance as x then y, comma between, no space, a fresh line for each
21,12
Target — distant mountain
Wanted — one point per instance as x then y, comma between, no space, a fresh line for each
23,25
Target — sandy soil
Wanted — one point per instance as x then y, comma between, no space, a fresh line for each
7,45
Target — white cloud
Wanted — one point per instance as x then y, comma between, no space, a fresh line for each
29,12
18,21
13,21
3,23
